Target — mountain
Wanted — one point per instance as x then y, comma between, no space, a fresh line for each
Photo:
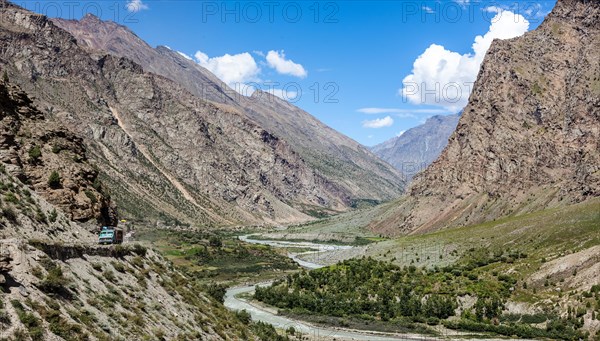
349,166
33,149
418,147
162,152
55,283
528,139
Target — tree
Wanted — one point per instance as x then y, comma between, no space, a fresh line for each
54,179
215,241
217,291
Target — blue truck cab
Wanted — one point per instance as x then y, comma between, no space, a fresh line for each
110,235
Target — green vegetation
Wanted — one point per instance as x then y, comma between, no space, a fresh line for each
366,287
10,214
491,262
4,317
408,297
52,216
55,282
91,196
217,258
34,154
30,321
54,179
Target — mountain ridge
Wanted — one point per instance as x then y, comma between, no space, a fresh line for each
341,160
234,168
529,137
418,147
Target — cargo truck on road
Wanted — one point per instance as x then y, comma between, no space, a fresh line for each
110,235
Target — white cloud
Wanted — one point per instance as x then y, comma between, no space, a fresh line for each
378,123
184,55
427,9
231,69
493,9
135,6
277,61
444,78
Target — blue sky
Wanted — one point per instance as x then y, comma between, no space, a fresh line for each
358,54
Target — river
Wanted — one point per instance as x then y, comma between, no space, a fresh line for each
260,313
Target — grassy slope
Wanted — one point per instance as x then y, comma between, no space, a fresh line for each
548,234
231,263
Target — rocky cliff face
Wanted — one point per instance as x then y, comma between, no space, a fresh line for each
530,135
418,147
33,147
349,166
163,152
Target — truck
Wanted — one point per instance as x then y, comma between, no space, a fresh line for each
110,235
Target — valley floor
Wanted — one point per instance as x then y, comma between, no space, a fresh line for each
548,260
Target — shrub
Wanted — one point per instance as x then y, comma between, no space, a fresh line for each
56,148
91,196
53,215
109,275
118,266
138,262
10,214
54,282
32,323
215,241
40,216
244,317
34,154
217,291
4,318
139,250
54,180
11,197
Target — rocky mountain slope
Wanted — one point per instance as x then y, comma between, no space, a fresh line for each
529,137
162,152
55,283
342,161
50,158
418,147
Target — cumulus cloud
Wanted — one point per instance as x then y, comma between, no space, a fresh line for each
276,60
183,55
135,6
378,123
231,69
444,78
